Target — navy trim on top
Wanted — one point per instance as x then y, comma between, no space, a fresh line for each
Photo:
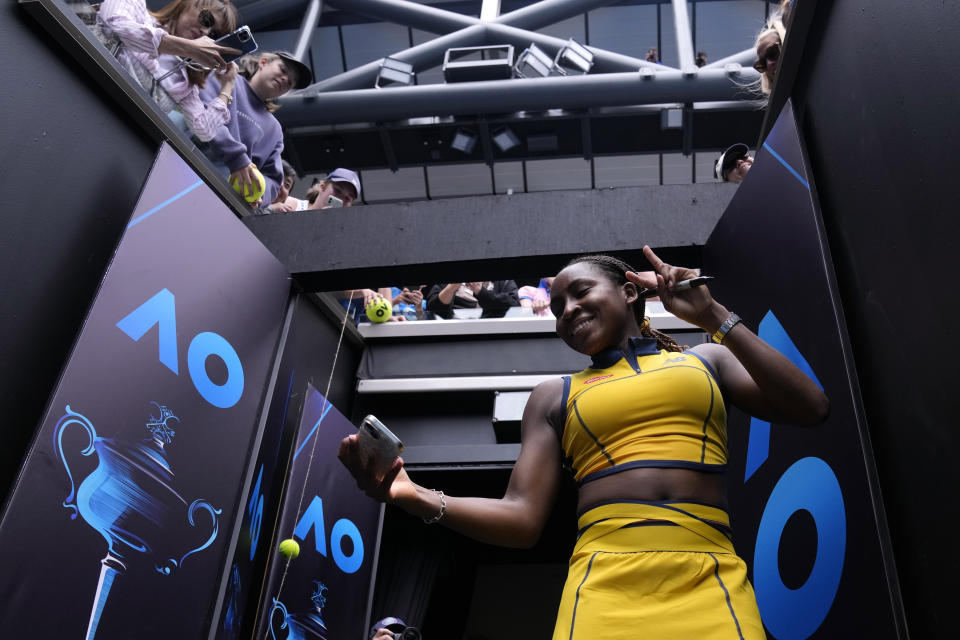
705,364
639,347
655,464
659,503
563,409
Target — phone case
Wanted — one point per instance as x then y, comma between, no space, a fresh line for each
379,444
240,39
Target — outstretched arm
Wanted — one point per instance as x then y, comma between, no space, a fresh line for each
516,519
755,376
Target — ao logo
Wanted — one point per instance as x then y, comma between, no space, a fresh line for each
160,310
808,484
343,528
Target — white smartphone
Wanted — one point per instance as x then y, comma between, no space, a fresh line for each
378,444
333,202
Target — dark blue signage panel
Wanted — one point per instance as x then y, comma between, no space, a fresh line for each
324,592
807,513
121,519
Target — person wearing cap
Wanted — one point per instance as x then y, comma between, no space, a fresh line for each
253,137
389,628
340,183
734,163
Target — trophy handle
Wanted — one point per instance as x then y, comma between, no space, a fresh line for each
72,417
194,506
278,605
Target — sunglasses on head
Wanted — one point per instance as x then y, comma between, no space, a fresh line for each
772,54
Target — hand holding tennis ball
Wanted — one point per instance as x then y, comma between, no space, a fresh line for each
379,309
249,183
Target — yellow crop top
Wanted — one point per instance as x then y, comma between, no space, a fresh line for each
648,408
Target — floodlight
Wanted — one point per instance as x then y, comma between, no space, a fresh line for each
394,72
464,140
533,62
573,58
505,138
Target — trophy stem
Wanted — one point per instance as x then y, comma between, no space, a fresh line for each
109,569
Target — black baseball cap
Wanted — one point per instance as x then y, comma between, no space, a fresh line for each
304,74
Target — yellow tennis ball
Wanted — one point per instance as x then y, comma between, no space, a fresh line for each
379,310
251,192
290,548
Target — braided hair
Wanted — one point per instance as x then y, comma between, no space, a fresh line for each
616,271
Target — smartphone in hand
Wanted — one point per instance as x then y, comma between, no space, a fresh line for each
241,39
378,444
333,202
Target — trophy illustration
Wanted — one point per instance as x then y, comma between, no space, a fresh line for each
129,500
304,626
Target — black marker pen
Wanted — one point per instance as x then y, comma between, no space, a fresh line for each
683,285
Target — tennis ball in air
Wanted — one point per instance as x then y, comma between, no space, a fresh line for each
251,192
379,310
290,548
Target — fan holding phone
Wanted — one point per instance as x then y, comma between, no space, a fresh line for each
148,44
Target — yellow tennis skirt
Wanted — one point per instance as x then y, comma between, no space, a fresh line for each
656,570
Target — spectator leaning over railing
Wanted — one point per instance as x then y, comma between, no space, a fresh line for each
253,137
537,298
494,297
342,184
734,163
769,43
147,44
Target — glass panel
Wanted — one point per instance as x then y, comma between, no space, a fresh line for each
381,185
325,53
726,28
677,169
365,43
704,163
553,175
570,28
627,30
627,171
459,180
434,75
508,175
285,40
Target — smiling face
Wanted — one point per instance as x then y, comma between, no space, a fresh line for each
593,313
740,169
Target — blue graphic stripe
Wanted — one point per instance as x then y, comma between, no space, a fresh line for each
716,573
165,203
315,427
787,165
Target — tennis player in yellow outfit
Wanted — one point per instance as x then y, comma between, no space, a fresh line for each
644,432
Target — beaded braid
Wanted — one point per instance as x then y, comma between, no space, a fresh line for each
616,270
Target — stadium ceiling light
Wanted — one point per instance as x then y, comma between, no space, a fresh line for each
573,58
533,62
394,72
505,138
464,140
